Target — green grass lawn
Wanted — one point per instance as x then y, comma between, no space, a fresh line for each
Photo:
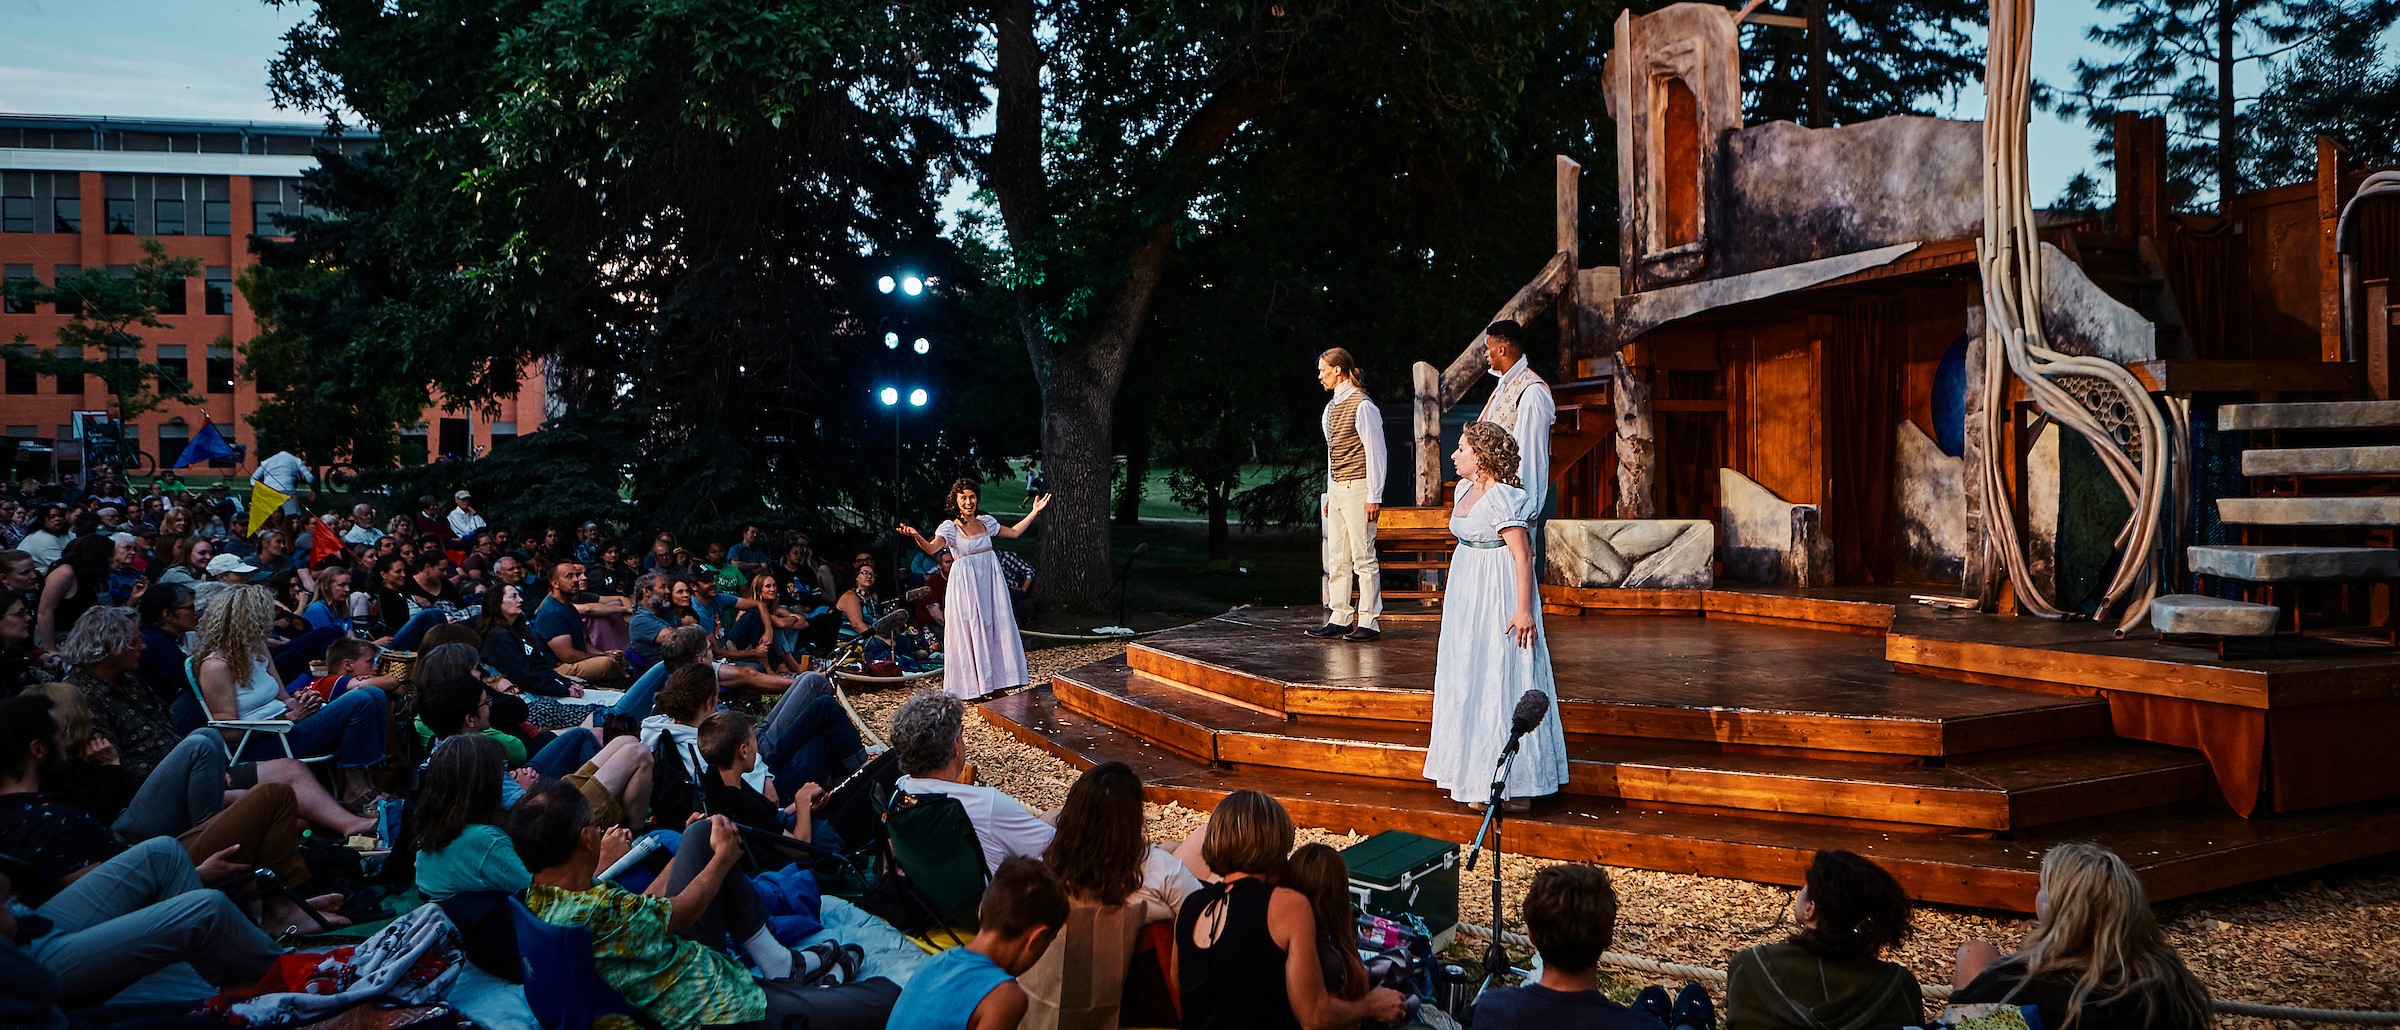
1158,502
1174,582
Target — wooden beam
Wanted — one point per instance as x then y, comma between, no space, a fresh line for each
1428,425
1567,219
1636,443
2330,196
2381,316
1531,297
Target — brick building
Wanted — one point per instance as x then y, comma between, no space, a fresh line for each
78,193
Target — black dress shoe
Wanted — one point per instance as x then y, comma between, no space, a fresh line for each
1328,631
1363,635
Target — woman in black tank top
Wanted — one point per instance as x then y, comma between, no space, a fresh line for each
1236,982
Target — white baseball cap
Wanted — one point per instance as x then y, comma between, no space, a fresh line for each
225,563
462,496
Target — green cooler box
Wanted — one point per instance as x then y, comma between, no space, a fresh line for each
1397,874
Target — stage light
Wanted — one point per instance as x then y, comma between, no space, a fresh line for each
923,345
884,284
890,396
891,341
916,397
912,285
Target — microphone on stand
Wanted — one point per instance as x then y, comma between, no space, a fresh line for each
1531,708
888,623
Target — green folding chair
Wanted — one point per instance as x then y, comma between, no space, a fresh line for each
938,860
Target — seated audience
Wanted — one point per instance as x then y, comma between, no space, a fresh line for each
929,737
615,777
78,581
1832,972
767,634
169,613
511,646
559,624
460,845
1571,914
974,987
20,665
1246,948
237,683
730,745
664,951
1319,874
2094,960
1102,857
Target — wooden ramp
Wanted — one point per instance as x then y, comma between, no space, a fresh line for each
1731,745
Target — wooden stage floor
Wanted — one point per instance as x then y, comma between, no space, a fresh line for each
1734,744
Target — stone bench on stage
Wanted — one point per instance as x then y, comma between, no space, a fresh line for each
1630,554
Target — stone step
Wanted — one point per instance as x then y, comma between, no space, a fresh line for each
2322,461
2196,615
2254,563
2311,511
2311,415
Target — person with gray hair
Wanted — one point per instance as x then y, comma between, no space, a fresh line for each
928,735
101,653
362,531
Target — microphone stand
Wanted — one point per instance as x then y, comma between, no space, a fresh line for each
1495,957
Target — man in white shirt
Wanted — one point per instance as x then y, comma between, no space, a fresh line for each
464,522
283,472
49,537
929,736
1354,466
1522,405
362,526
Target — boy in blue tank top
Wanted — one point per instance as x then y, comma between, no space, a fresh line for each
975,987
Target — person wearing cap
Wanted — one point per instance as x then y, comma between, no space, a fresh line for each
230,568
588,544
464,522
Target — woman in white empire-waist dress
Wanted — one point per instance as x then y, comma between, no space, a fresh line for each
981,651
1492,650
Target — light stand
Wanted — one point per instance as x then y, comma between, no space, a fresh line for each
1495,957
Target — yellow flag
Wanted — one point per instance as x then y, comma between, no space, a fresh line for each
264,500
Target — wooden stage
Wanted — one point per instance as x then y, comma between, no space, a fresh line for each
1743,732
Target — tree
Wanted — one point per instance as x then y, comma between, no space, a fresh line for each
678,209
2178,58
99,339
1881,58
2340,85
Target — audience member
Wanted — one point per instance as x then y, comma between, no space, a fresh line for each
49,536
461,847
929,737
20,667
1245,948
729,743
1102,857
2094,960
512,647
78,581
1831,973
237,683
558,624
1571,913
169,613
974,987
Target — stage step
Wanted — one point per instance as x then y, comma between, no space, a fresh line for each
2311,511
2256,563
2311,415
2005,790
1781,688
2321,461
2178,849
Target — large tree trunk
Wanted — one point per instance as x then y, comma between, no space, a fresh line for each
1220,531
1076,415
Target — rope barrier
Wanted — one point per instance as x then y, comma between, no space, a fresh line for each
1716,978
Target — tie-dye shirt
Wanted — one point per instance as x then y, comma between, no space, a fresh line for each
674,980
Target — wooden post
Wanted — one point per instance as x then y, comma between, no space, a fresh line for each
1636,448
1428,385
2377,321
1570,298
2329,259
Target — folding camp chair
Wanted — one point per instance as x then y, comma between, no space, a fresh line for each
562,985
937,858
248,728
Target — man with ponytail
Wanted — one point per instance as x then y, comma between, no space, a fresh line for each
1354,464
1831,975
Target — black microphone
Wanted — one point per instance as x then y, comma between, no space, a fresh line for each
896,620
1530,710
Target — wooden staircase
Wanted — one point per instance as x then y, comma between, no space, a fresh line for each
2324,513
1710,745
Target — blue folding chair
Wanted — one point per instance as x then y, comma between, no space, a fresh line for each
562,985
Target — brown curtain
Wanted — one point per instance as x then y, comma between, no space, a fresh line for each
1862,411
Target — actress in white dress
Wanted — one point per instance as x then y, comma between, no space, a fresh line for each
981,651
1492,650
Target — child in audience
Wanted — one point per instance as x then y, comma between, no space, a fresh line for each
1830,975
348,661
461,846
1571,914
1319,874
975,987
2095,959
729,743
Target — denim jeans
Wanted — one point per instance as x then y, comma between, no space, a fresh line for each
565,753
141,912
808,738
407,637
185,787
352,727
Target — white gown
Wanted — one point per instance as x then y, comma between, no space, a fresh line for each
981,651
1479,673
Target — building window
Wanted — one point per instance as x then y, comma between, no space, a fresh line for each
173,297
220,368
175,360
412,445
15,279
503,432
120,205
16,202
66,203
173,437
168,217
1679,174
70,382
216,204
220,218
60,276
21,380
219,291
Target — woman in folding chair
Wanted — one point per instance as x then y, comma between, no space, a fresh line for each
238,685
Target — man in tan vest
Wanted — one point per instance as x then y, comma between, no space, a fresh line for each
1354,463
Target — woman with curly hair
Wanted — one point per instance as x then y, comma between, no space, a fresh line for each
1491,650
2095,959
1831,975
982,653
232,666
